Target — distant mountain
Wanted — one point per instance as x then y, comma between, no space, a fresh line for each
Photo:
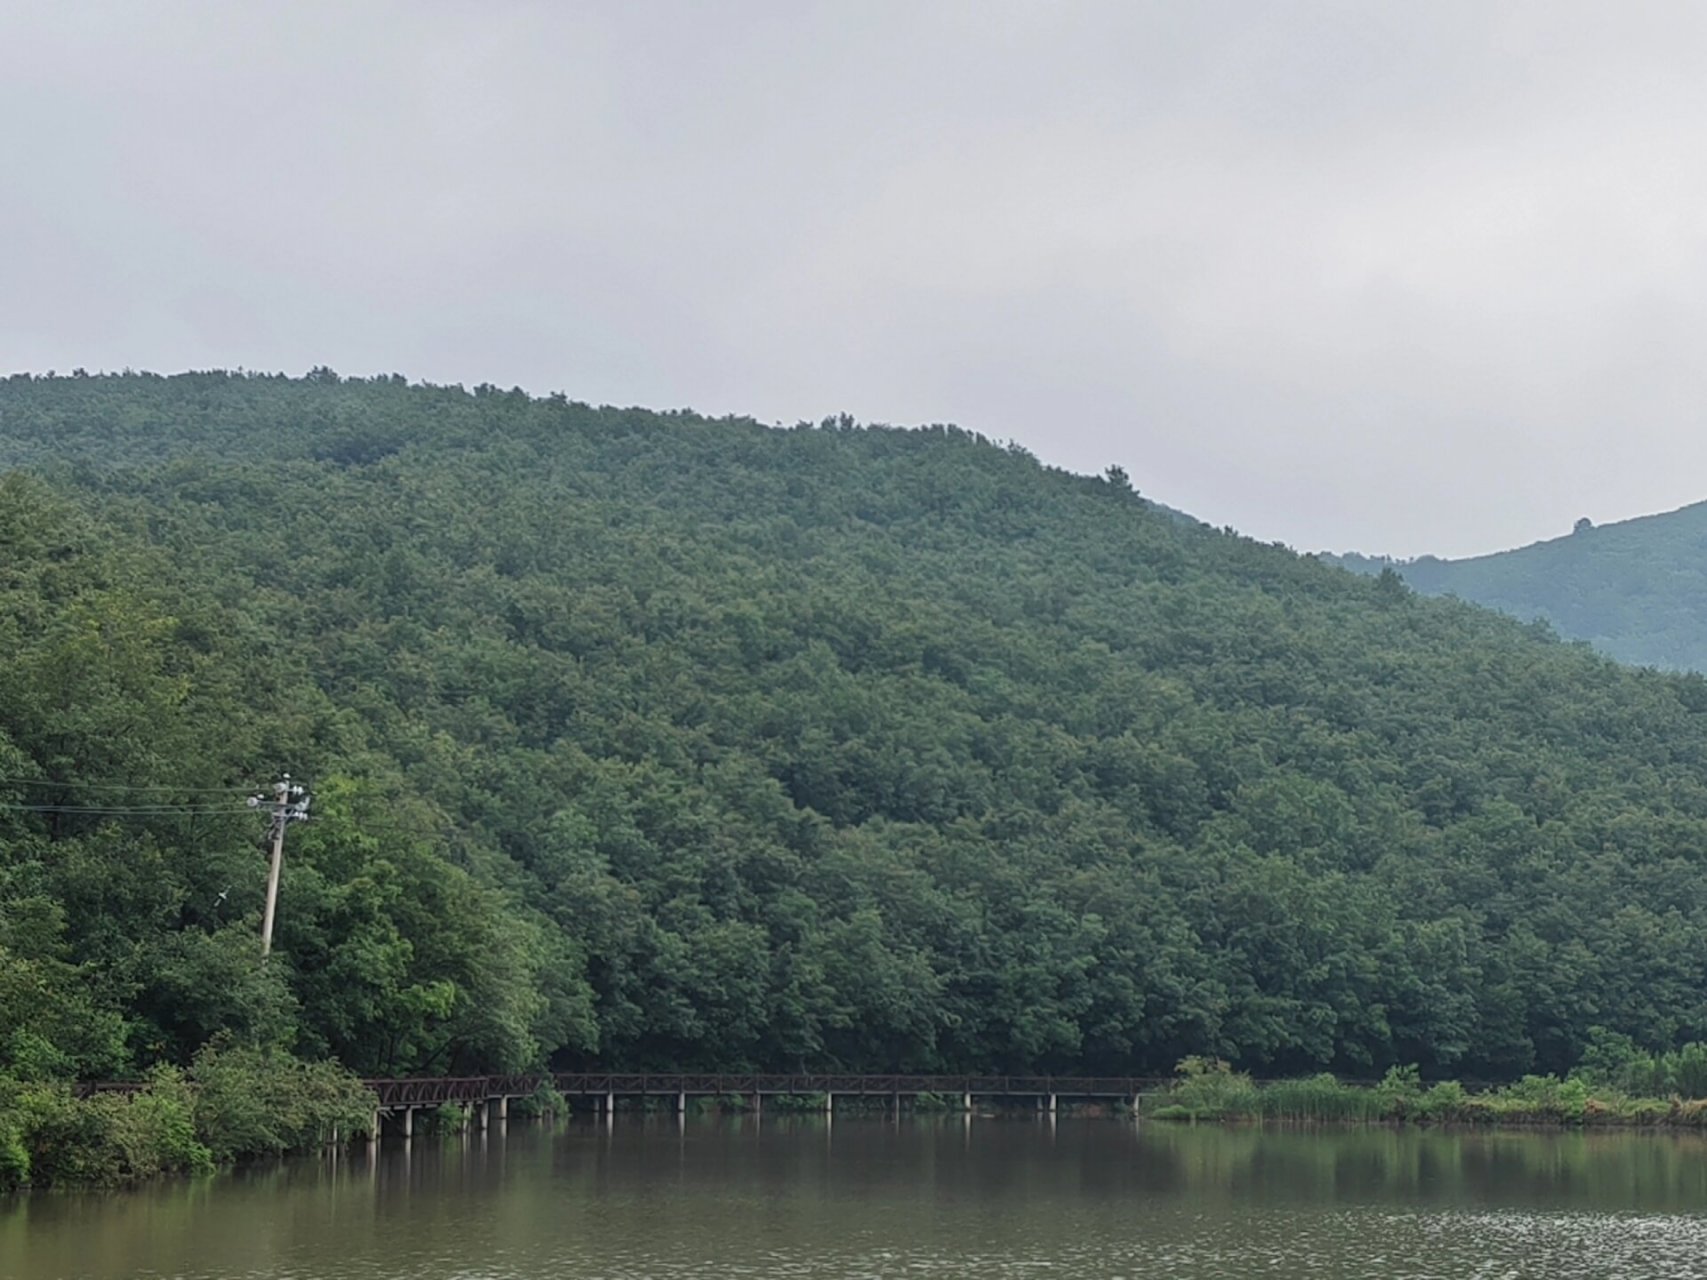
1636,590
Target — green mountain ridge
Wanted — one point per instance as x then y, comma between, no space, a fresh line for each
1636,589
662,742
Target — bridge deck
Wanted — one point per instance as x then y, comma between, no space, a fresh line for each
427,1092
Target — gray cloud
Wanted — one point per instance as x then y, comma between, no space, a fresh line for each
1399,278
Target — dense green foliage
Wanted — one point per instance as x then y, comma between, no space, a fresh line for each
231,1103
1210,1090
660,742
1636,590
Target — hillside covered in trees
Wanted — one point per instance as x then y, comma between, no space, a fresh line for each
1636,590
651,741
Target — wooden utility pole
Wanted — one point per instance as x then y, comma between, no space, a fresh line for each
290,804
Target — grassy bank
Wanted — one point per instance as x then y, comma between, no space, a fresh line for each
1210,1090
230,1105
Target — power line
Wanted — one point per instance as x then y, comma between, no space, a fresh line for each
426,830
50,784
162,809
359,824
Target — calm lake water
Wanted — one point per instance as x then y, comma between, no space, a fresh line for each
922,1199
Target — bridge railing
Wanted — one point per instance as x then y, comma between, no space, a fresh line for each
426,1091
431,1091
601,1082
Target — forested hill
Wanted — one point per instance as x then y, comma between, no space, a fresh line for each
653,741
1636,590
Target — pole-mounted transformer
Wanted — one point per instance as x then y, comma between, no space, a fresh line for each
289,804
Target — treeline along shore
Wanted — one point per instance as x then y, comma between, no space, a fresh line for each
698,745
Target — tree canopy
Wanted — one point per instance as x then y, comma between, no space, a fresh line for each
656,741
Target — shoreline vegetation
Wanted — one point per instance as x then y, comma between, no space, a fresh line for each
1655,1091
233,1105
230,1105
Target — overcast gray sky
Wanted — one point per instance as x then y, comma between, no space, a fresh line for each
1394,277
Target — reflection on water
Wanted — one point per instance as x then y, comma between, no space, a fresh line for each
728,1197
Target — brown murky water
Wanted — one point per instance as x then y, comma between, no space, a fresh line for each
925,1199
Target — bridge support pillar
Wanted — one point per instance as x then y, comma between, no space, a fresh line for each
829,1104
610,1103
758,1104
503,1108
1051,1104
373,1131
408,1122
483,1113
681,1104
966,1102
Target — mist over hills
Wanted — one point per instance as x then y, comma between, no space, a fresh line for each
1636,590
654,741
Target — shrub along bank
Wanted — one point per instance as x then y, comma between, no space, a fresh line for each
1208,1089
230,1105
